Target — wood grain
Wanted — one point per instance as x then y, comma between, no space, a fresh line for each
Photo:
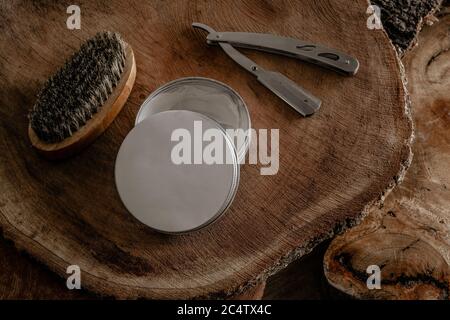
334,166
409,236
23,278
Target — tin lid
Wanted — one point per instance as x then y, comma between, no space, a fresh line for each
209,97
165,193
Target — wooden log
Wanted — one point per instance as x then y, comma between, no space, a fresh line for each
334,166
408,238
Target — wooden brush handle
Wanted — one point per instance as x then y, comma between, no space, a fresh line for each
97,124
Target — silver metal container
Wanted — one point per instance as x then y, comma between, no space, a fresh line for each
209,97
177,198
166,196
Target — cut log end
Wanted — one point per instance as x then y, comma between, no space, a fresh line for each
408,237
410,267
333,166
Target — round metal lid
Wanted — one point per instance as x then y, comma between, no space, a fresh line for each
208,97
170,197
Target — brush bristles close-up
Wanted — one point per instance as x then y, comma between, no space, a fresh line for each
78,90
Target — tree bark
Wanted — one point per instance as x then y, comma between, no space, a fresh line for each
403,19
408,238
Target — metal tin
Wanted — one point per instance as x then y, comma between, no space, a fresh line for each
209,97
166,196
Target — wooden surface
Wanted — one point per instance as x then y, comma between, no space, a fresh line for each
409,236
21,277
333,166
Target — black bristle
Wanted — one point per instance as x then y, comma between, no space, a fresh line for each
77,91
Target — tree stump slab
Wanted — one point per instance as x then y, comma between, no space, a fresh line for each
334,166
408,238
